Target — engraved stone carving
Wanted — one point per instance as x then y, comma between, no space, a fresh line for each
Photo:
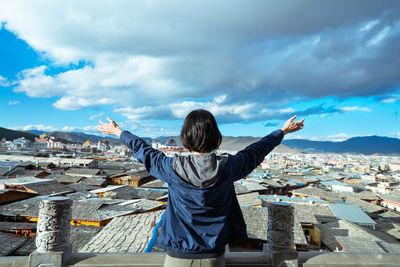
280,226
53,227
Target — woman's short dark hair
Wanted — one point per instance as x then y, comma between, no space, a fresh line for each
200,132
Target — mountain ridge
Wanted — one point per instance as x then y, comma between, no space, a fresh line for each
10,135
360,145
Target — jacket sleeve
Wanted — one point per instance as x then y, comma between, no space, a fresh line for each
246,160
155,161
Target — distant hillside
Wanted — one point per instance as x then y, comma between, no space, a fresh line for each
11,134
230,143
163,139
363,145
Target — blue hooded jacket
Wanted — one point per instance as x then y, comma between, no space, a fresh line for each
202,213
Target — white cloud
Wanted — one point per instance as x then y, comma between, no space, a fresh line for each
391,99
96,116
50,128
4,82
334,138
68,129
35,83
91,128
224,110
39,127
216,106
111,81
167,57
13,102
356,108
379,37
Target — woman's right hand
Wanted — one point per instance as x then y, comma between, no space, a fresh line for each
292,126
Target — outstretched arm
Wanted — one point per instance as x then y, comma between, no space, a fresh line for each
155,161
246,160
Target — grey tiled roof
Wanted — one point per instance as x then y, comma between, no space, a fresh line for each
139,174
25,173
394,197
81,187
94,181
113,172
390,247
250,199
129,192
83,171
329,232
391,215
305,214
155,184
4,169
17,225
65,178
365,205
9,242
127,207
80,235
124,234
92,209
27,207
355,244
390,227
51,187
42,187
257,222
351,213
256,219
320,211
243,187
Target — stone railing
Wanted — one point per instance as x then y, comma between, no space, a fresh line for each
54,249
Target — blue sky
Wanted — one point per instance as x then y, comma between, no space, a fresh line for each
147,64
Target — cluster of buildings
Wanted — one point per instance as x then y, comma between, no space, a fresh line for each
56,147
342,202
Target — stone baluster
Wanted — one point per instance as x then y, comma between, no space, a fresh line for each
53,231
280,235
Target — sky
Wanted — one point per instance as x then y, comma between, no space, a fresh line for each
146,64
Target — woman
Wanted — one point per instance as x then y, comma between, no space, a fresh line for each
203,213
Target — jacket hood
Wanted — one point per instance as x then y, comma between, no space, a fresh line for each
200,170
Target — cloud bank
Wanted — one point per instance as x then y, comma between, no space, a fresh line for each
244,62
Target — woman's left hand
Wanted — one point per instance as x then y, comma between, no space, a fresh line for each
111,128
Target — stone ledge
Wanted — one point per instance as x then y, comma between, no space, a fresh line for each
237,259
157,259
354,259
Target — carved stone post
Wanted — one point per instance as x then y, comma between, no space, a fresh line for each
280,235
53,231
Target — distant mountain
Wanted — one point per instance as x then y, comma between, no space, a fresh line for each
163,139
11,134
364,145
230,143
